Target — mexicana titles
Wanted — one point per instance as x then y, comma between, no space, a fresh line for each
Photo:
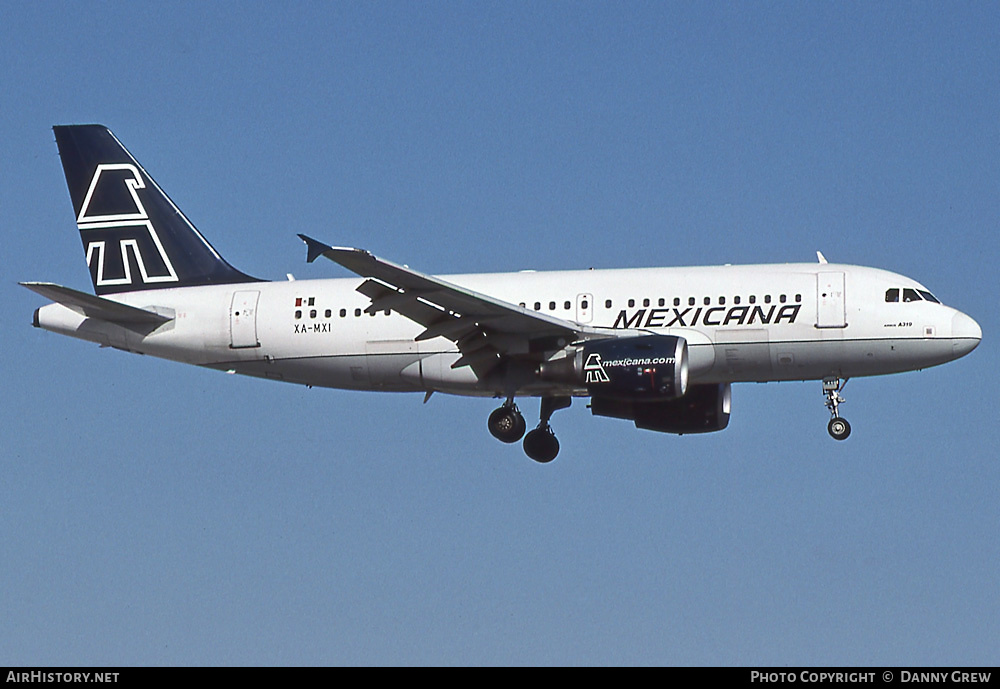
712,316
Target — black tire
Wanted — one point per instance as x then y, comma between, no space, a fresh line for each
506,424
541,445
838,428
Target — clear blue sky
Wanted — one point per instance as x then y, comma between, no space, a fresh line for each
152,513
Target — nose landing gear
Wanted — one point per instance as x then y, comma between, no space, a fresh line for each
838,427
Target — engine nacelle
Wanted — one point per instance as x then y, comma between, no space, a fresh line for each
705,408
649,367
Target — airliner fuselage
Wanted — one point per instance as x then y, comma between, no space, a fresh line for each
742,324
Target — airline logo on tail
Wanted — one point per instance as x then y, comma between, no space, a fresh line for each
114,225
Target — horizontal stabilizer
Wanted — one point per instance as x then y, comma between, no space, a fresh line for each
95,307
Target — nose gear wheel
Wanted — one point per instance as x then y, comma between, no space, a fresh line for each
838,428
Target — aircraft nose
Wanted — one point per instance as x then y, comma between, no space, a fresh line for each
965,334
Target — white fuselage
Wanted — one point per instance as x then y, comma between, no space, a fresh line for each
741,323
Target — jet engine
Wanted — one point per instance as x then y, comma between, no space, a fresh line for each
705,408
649,367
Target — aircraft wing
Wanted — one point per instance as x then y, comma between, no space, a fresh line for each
96,307
484,327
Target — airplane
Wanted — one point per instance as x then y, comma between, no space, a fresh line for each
660,347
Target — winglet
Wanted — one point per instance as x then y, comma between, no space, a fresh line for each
315,248
821,257
356,260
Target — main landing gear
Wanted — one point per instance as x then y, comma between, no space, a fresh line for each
507,425
838,427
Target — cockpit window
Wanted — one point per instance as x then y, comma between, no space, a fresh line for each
909,294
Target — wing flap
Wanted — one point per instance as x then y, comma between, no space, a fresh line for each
451,327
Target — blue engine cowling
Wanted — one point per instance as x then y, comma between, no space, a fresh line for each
704,409
649,367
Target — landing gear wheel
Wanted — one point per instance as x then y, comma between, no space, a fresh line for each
839,428
541,445
506,424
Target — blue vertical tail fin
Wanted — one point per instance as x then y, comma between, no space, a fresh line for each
134,236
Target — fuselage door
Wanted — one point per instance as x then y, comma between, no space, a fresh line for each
584,308
243,320
830,300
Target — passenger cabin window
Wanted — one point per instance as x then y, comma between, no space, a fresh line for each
892,294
